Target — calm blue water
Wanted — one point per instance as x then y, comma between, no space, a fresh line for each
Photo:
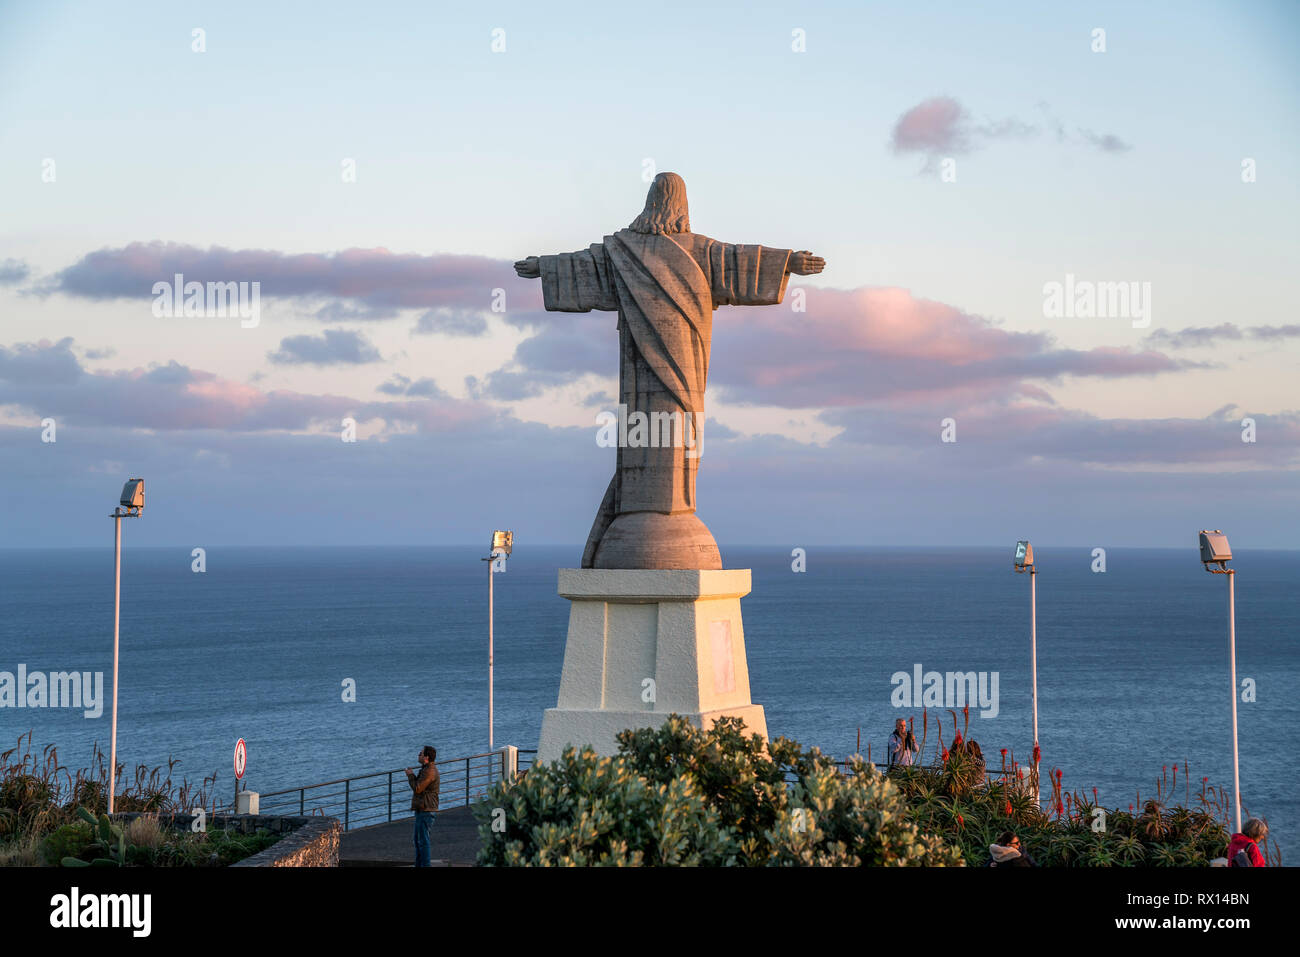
1133,663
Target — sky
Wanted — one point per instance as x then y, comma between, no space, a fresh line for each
376,169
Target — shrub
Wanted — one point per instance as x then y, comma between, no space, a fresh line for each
67,840
676,795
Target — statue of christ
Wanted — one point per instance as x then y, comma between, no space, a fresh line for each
664,281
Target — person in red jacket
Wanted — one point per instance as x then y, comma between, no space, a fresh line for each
1252,831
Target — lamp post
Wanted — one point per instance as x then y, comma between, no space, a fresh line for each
133,502
1024,561
502,544
1215,551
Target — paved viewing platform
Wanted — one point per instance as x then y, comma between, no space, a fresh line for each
455,842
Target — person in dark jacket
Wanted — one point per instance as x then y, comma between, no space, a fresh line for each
1245,844
424,802
1007,852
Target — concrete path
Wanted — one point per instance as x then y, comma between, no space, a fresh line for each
455,842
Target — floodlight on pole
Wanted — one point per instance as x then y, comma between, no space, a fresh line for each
130,505
503,544
1024,562
1216,551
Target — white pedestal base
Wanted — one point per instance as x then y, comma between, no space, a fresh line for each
643,644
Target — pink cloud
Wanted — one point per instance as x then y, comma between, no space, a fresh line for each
934,125
857,346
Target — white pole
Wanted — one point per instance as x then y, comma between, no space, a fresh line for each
1232,656
117,608
489,565
1033,657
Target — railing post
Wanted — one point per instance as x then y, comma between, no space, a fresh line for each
467,782
347,801
302,801
509,763
390,796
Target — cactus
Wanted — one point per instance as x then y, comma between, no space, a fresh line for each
111,844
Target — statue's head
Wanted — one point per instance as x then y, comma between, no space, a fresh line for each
665,207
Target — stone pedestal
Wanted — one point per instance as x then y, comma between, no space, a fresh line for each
643,644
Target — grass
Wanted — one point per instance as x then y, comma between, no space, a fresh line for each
39,797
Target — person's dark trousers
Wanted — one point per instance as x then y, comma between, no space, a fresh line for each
424,838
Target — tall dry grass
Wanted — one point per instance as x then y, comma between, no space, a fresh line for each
38,793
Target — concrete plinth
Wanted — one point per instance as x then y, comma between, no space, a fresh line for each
643,644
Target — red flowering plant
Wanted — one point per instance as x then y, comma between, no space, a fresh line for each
970,810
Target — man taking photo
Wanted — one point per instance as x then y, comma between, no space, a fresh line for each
424,802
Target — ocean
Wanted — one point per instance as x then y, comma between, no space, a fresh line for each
1132,663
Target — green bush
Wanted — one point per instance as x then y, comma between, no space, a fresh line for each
67,840
92,841
679,796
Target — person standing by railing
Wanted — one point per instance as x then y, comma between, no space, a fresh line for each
902,745
424,802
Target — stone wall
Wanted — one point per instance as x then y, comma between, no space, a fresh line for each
311,841
314,844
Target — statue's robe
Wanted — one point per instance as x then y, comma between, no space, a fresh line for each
665,288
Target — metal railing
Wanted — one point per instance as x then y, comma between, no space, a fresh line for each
384,796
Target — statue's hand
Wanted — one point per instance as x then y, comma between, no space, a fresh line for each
530,268
804,263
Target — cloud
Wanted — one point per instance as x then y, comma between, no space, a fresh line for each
936,125
13,271
399,384
1195,337
1107,143
46,378
1275,332
851,347
362,283
333,347
871,344
995,435
942,127
440,466
451,322
40,362
559,353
